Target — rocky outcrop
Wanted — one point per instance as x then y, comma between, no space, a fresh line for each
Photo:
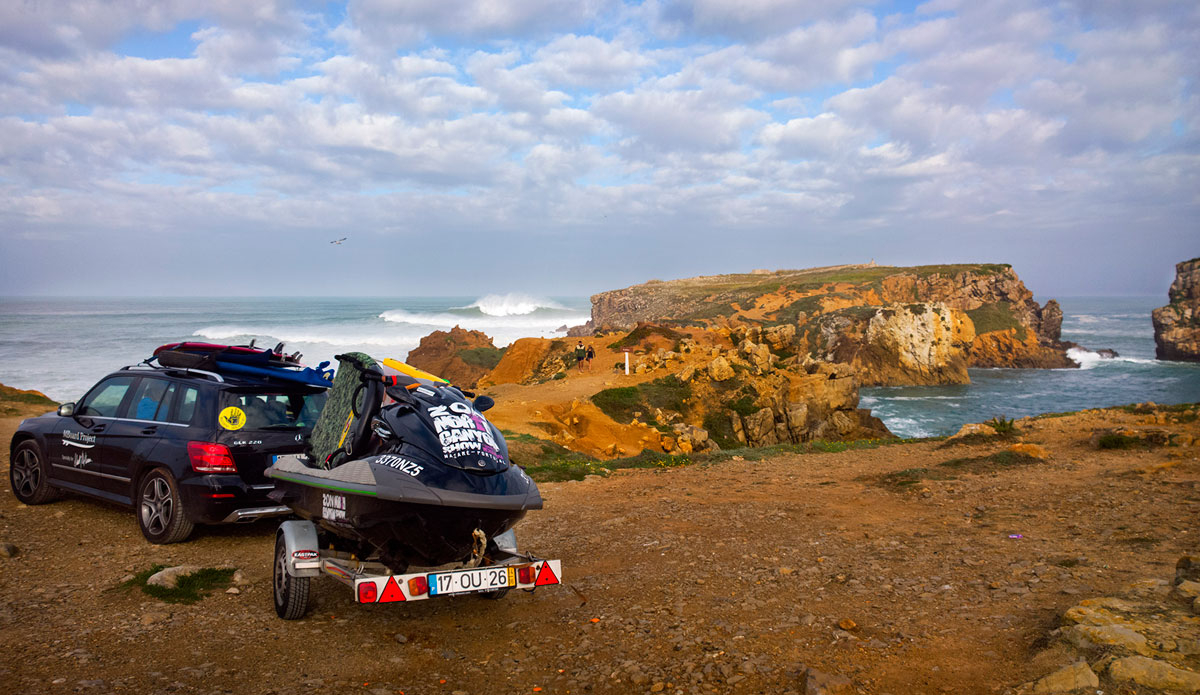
458,355
896,326
521,361
897,344
1177,325
1144,639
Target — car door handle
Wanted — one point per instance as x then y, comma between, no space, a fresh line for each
98,429
150,430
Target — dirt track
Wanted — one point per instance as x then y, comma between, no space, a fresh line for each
723,578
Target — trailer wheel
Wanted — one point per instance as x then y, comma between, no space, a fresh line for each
291,593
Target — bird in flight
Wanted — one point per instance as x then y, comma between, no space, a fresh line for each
338,242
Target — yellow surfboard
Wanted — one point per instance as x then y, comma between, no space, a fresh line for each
412,371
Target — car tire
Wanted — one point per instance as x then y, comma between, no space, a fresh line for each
29,475
291,593
160,509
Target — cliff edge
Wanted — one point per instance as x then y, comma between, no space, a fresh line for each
1177,325
895,326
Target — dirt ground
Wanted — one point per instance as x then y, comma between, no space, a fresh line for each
729,577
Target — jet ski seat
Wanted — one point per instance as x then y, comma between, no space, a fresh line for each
343,431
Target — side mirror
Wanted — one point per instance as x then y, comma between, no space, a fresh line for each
66,410
482,403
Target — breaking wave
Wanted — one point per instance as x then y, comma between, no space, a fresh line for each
1086,359
511,304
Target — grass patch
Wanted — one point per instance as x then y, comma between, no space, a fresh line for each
953,468
720,430
619,403
190,588
666,392
743,406
996,317
1115,440
642,332
483,357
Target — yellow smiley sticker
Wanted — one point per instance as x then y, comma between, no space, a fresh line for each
232,418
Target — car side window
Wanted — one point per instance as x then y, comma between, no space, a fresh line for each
104,400
149,398
187,405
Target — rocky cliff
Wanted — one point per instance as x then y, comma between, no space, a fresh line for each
691,390
458,355
896,326
1177,325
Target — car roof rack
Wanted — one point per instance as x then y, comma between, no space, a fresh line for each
150,367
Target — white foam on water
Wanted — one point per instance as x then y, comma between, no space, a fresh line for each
1086,359
511,304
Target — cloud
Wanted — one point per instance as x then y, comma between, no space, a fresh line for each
564,128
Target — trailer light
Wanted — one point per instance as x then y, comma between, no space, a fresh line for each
525,574
418,586
207,457
367,592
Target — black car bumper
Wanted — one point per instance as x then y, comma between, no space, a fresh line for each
219,499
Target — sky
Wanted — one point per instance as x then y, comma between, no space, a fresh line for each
564,147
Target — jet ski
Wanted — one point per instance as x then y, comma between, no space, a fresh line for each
404,471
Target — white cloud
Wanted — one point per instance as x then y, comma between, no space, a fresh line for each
584,120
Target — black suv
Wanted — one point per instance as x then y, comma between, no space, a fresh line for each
181,446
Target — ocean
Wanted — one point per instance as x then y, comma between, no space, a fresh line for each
1122,324
61,346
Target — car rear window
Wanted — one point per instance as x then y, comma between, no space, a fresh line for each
268,409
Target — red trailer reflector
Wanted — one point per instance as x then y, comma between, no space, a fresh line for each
392,592
525,574
418,586
546,576
367,592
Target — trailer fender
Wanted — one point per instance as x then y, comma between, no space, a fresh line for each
303,552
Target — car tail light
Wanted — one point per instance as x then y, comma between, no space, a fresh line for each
211,458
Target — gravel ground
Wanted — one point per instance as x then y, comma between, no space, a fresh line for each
731,577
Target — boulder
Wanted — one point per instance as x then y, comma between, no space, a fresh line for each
1067,679
169,578
972,430
720,370
1153,673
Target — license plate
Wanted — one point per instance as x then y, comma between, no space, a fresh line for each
470,581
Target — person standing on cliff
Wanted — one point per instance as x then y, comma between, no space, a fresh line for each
580,354
591,355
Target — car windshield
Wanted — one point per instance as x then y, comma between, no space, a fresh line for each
274,409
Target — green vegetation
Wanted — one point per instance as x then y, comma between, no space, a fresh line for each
620,404
548,462
641,333
18,402
744,406
484,357
1116,440
1003,426
189,588
996,317
720,430
951,469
